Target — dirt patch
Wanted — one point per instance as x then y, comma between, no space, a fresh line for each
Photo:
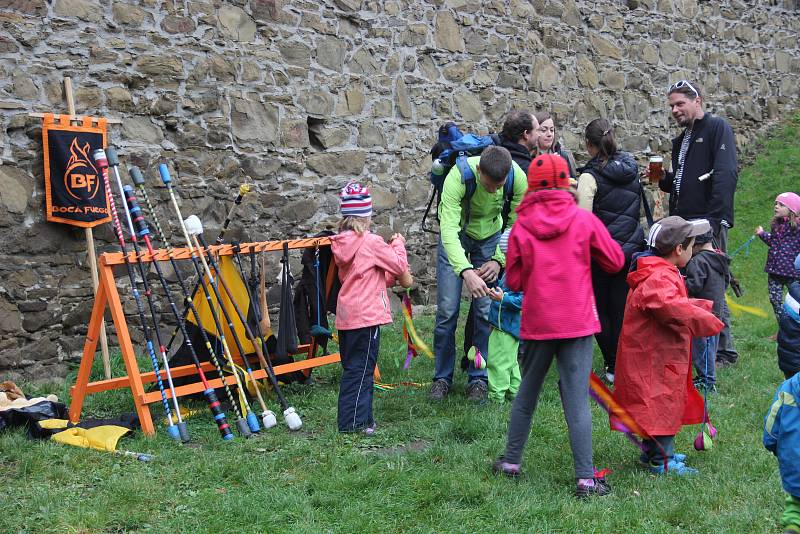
417,445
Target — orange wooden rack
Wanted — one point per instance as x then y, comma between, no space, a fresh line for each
135,380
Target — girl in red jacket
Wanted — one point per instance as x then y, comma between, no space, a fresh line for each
654,359
550,251
367,266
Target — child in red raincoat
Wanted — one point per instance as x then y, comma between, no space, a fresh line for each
654,378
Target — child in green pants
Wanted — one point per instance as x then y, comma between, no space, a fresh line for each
504,316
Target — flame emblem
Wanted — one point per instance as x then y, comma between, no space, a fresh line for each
81,177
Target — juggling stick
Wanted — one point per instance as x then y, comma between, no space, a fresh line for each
245,427
414,343
267,416
619,419
243,190
291,417
142,457
193,225
102,164
144,233
113,162
138,179
265,323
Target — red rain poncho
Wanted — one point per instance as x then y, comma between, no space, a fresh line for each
653,380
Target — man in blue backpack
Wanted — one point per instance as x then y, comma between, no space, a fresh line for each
476,205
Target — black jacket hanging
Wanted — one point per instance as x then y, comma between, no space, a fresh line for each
287,328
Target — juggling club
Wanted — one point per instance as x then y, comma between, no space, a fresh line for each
99,156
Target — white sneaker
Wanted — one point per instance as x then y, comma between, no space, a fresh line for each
610,378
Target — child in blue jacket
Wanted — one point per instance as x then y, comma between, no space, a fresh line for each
782,438
504,315
789,333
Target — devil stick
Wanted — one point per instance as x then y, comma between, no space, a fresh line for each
102,163
252,420
243,320
290,416
144,233
138,179
243,190
113,162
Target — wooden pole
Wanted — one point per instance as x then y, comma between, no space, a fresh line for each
92,258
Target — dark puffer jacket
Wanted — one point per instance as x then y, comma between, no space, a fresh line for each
618,200
789,333
519,153
707,277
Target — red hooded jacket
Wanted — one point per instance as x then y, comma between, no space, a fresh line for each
653,378
550,250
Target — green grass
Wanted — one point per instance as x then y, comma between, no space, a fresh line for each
427,469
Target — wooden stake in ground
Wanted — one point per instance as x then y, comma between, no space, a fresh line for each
92,257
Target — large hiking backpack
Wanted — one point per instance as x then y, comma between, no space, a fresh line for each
452,149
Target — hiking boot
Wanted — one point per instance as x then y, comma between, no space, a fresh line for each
439,390
673,468
501,467
477,391
599,488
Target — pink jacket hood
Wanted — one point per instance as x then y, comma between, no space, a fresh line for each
550,252
547,214
367,266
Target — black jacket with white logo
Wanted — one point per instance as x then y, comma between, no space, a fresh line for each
712,148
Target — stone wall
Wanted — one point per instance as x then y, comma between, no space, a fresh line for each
303,95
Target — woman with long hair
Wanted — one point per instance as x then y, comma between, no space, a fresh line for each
547,143
609,187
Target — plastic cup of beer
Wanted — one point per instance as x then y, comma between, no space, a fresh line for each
656,169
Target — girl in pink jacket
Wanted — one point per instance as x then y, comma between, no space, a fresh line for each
367,266
549,257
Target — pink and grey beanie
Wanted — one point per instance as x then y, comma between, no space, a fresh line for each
791,201
356,200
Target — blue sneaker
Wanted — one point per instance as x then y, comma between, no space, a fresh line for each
673,468
678,457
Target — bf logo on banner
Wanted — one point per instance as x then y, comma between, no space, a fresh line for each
81,178
75,191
